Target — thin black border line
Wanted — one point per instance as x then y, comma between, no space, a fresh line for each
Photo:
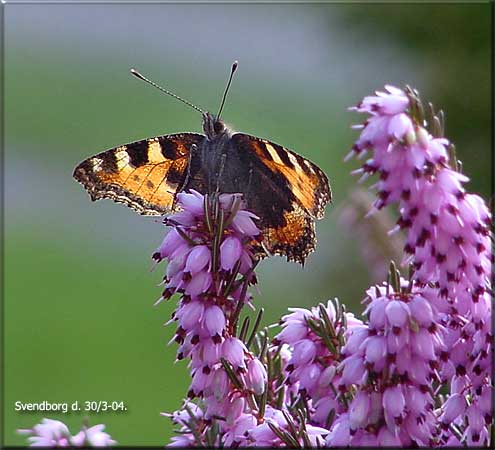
492,160
4,3
2,218
245,2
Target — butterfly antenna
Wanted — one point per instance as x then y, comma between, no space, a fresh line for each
142,77
234,68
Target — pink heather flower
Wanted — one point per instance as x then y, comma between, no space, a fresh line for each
170,243
184,440
397,313
230,252
359,411
48,433
190,421
214,320
243,223
193,203
434,207
198,284
386,438
233,350
53,433
190,314
394,403
359,384
316,435
92,437
236,408
304,352
387,103
220,384
197,259
353,371
256,377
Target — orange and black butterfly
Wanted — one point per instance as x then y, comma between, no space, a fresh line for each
286,191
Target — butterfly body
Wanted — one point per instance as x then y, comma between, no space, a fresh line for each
286,191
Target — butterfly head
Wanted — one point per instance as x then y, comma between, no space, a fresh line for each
213,127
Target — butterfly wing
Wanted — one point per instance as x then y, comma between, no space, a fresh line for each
288,192
145,175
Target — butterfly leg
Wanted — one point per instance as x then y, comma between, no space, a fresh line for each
250,178
194,148
220,172
183,186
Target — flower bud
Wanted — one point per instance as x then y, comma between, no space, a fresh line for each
303,353
198,259
256,377
230,252
359,410
453,408
397,313
214,320
233,351
394,401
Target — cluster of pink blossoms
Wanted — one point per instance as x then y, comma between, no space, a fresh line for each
53,433
448,243
392,361
210,265
314,338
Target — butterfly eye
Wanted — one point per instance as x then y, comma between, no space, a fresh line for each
218,126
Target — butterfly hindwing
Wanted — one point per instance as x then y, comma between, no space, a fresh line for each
294,239
145,175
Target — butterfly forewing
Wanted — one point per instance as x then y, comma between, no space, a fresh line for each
145,175
307,182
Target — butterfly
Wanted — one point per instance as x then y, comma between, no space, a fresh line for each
286,191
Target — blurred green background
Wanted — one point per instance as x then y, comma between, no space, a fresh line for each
79,322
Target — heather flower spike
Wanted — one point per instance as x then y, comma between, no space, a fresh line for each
212,269
391,363
449,246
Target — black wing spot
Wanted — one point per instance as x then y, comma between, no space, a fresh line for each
109,162
169,148
174,176
138,153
